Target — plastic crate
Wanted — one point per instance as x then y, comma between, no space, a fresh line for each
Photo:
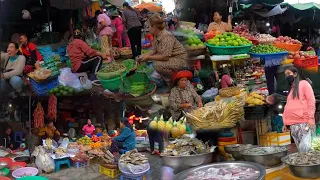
307,63
112,173
78,164
288,47
228,50
255,112
275,139
272,59
43,88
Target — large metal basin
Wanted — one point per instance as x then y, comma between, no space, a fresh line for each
183,175
181,163
268,160
235,154
303,171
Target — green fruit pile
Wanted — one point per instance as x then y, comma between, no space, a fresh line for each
85,140
229,39
194,43
265,49
63,91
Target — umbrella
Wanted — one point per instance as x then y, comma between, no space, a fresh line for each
69,4
149,6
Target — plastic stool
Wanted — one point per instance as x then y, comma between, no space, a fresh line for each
59,162
18,136
127,177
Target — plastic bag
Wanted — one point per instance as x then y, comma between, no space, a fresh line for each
210,92
301,133
86,83
67,78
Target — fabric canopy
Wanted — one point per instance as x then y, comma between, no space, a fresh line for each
275,11
149,6
305,6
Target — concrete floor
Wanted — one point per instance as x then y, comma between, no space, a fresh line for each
92,172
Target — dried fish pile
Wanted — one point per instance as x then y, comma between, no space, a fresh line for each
186,146
227,173
308,158
133,157
240,147
264,150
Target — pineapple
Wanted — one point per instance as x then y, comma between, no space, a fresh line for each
154,124
183,126
161,124
175,132
169,125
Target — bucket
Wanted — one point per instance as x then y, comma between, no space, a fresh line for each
222,142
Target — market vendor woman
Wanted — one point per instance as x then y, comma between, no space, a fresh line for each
167,52
126,141
13,63
219,25
49,131
183,96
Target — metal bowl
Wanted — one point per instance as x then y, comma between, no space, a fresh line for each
268,160
181,163
3,165
183,175
303,171
235,154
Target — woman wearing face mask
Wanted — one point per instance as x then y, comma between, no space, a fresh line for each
13,63
183,97
300,107
88,128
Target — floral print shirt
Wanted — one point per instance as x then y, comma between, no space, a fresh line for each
189,95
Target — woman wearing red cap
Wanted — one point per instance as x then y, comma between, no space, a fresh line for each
183,97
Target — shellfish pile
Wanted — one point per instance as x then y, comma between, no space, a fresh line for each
133,157
240,147
264,150
186,146
307,158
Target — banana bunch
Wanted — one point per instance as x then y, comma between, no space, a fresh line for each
255,99
48,142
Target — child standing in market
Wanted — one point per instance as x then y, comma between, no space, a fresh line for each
120,30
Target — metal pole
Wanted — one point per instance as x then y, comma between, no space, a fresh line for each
30,124
0,40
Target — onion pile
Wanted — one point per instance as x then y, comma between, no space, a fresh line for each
287,40
242,30
265,38
298,55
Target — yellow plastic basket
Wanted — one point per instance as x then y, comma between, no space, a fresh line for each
275,139
112,173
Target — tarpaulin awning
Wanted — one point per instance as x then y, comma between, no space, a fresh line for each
118,3
275,11
150,7
305,6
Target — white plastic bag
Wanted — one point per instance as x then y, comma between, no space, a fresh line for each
67,78
301,133
86,83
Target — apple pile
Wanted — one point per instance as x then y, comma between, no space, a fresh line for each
298,55
286,40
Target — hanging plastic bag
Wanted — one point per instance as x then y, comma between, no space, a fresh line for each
67,78
301,133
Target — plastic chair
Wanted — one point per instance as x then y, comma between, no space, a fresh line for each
59,162
18,136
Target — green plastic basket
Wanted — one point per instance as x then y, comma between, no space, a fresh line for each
112,84
110,75
228,50
33,178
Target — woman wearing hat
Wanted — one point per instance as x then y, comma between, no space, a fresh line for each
120,30
183,96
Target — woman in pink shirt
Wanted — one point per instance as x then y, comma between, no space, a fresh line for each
88,128
105,32
225,79
120,30
300,108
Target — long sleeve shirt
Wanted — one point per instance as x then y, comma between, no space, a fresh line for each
127,137
189,95
131,19
105,30
300,110
15,67
78,51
